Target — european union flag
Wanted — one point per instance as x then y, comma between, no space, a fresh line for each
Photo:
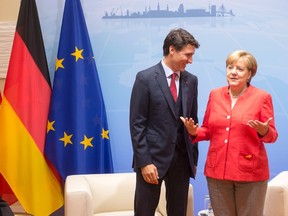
77,140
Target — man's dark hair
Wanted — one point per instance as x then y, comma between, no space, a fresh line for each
178,38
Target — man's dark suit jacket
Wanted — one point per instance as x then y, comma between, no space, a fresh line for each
153,122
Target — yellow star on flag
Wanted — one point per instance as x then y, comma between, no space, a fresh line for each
59,63
50,126
104,134
77,54
87,142
66,139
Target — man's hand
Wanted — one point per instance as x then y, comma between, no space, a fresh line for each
150,174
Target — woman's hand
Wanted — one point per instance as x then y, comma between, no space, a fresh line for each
190,125
261,127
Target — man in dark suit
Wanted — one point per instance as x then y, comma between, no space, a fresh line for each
162,149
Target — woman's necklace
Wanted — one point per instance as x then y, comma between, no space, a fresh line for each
236,96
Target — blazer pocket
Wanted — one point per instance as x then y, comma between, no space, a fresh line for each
246,161
211,159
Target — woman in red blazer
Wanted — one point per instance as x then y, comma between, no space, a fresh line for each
239,118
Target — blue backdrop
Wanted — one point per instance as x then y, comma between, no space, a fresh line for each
128,44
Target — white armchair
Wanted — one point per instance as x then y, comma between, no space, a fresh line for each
276,202
108,195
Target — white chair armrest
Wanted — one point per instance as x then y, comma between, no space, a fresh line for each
190,204
78,196
277,196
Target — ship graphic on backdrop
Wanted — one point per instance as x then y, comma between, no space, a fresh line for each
212,11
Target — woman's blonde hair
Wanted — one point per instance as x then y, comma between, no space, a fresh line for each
248,58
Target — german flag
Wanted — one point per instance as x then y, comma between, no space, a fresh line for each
23,119
6,192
